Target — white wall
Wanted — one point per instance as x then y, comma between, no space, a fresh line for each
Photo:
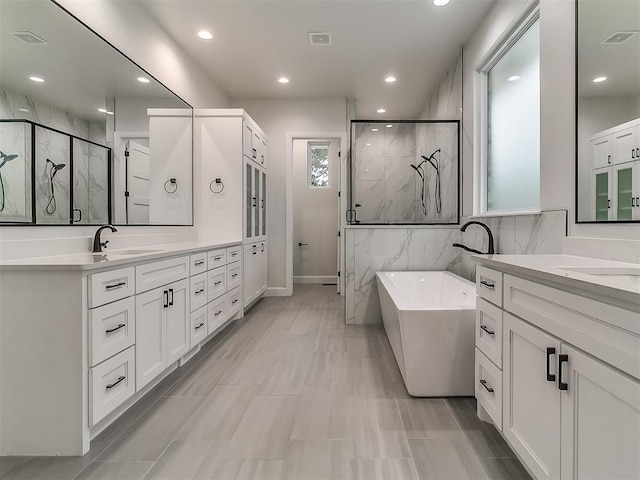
277,118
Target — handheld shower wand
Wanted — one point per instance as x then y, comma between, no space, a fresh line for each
55,168
421,173
4,158
435,163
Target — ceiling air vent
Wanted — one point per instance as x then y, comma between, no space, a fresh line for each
319,38
29,38
619,37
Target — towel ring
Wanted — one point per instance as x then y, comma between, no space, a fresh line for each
171,181
213,188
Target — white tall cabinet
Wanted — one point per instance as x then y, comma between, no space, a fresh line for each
232,178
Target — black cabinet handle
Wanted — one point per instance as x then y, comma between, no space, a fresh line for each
234,302
484,384
633,202
262,245
217,258
115,285
170,297
217,313
165,296
199,326
489,332
609,159
254,202
609,203
197,264
637,201
73,220
638,152
218,282
198,292
550,376
120,379
233,254
114,329
562,358
633,153
487,284
234,275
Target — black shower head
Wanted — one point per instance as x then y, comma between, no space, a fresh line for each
6,158
417,169
56,166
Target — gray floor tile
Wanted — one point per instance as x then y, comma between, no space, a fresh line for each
504,469
220,413
286,377
264,430
115,471
202,379
368,377
298,347
485,440
375,429
10,464
363,346
382,469
196,460
327,369
249,371
316,460
331,341
321,413
445,458
249,470
306,323
153,432
59,468
428,418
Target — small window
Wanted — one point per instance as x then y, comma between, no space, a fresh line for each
318,165
510,159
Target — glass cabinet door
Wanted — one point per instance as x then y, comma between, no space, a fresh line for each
264,203
602,194
256,203
248,200
624,192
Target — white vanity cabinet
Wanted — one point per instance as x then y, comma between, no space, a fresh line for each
255,271
569,372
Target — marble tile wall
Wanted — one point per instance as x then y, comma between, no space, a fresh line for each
15,188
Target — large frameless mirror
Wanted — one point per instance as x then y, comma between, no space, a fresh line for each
608,111
86,136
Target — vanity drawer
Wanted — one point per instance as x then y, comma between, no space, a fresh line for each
110,384
234,254
112,328
489,330
216,258
234,301
216,314
234,275
489,285
198,326
198,289
216,283
110,286
156,274
198,262
488,389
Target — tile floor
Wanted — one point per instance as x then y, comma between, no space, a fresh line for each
289,392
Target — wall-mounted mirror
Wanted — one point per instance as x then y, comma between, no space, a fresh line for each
608,111
86,136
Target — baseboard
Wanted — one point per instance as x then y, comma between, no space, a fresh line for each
316,279
278,292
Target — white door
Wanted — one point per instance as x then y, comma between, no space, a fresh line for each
531,399
177,320
138,183
600,421
316,182
150,335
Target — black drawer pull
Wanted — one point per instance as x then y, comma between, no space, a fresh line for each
562,358
115,285
218,282
217,313
217,258
170,296
550,376
165,298
198,292
484,384
489,332
199,326
234,275
234,302
487,284
198,263
233,254
120,379
115,329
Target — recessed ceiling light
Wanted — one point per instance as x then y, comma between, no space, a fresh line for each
205,35
599,79
381,110
390,79
367,144
104,110
283,80
389,126
23,109
440,3
513,78
374,129
37,79
143,80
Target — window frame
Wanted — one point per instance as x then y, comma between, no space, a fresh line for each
310,145
518,28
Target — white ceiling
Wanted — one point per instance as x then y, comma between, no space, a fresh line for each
256,41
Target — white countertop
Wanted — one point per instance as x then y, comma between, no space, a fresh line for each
110,258
552,268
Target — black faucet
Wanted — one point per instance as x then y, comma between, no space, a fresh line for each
97,244
490,249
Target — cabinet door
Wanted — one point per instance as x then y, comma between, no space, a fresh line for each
250,253
623,191
256,203
263,152
602,188
531,402
249,200
177,320
247,140
601,151
151,356
600,420
263,204
262,268
625,143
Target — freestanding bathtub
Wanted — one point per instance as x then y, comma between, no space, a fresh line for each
429,318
